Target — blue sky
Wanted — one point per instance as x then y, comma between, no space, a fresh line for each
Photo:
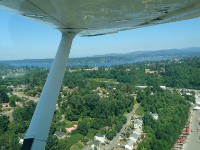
21,38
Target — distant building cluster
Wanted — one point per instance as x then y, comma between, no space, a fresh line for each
88,69
150,71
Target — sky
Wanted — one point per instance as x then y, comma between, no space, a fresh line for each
21,38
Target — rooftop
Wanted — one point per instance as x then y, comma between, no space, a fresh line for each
59,134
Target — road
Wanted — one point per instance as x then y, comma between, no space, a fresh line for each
22,95
193,138
112,143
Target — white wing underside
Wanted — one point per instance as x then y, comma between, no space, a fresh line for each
97,17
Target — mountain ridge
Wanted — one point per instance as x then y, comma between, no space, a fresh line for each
113,59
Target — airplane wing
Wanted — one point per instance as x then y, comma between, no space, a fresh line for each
98,17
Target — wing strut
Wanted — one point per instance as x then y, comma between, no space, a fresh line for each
38,131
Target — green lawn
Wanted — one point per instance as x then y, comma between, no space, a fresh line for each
140,110
76,146
103,80
69,124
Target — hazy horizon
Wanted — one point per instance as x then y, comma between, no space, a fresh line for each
22,38
102,54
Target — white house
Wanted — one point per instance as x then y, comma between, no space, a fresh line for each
163,87
155,116
198,103
101,138
21,141
196,108
188,94
129,145
134,137
137,131
138,123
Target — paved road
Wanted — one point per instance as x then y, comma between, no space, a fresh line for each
193,138
115,140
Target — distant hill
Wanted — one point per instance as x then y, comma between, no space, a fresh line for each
113,59
169,52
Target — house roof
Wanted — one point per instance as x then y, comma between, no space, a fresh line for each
96,143
129,143
134,135
138,122
72,128
122,136
59,134
99,135
137,131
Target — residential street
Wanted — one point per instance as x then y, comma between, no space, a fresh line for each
115,140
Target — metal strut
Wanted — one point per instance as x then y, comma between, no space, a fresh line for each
38,130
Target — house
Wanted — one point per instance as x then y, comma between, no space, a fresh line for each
141,87
149,71
188,94
106,69
129,145
5,104
138,123
196,108
21,141
74,127
95,145
152,93
134,137
134,96
163,87
90,69
122,136
154,115
198,103
101,138
60,135
137,131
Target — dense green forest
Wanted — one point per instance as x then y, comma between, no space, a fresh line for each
183,73
11,131
172,109
95,99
